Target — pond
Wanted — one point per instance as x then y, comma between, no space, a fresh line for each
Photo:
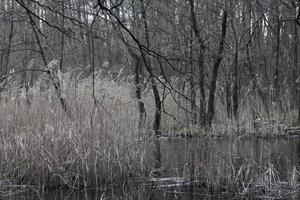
223,168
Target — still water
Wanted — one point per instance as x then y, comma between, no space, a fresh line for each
225,168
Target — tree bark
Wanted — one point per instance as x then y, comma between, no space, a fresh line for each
193,120
296,66
228,97
235,97
62,37
138,93
10,37
211,100
201,45
148,64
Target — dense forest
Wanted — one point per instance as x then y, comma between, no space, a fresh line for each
82,80
215,61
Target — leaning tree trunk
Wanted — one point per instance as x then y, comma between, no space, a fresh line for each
54,79
138,83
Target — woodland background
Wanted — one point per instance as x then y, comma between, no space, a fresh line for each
188,62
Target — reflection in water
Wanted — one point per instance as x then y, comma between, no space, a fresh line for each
157,157
206,169
298,153
214,166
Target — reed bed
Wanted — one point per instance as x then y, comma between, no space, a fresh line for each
100,145
41,146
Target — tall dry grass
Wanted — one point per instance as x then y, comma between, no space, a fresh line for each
99,145
41,146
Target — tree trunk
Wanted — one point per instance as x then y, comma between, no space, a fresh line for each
277,54
228,98
6,58
148,64
235,98
11,30
138,83
201,45
52,77
138,89
138,93
62,37
192,83
296,66
211,100
276,76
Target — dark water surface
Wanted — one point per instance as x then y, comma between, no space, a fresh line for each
186,169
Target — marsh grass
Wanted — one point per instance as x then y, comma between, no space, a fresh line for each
247,168
40,146
100,147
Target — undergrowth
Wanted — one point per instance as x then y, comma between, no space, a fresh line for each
100,145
